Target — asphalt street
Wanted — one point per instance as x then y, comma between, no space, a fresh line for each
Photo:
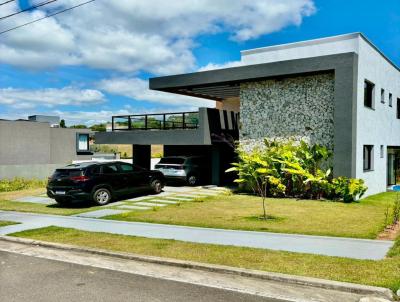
27,278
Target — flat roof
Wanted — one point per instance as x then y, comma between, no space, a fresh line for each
220,84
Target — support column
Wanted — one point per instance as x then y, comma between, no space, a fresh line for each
141,156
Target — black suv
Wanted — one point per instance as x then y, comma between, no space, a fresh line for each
101,182
189,169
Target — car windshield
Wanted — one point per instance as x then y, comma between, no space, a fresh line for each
62,173
172,160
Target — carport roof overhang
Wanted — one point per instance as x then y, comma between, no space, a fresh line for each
224,83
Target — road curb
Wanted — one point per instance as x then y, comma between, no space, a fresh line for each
278,277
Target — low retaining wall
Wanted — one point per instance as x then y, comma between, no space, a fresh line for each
41,171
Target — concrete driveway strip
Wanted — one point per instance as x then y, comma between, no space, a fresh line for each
329,246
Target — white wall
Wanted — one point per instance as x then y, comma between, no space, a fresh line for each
299,50
379,126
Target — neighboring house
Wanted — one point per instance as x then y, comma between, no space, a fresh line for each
340,91
32,148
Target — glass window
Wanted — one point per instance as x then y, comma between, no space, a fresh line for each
390,99
83,142
369,89
110,169
383,96
368,157
126,167
382,151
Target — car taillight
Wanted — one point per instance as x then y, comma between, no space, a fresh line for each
79,178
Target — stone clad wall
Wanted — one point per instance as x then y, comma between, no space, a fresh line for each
288,109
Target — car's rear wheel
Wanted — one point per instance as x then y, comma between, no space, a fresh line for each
102,196
192,180
157,186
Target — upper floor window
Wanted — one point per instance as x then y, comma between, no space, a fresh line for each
383,96
390,99
398,108
369,89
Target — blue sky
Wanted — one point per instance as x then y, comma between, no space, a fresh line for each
42,70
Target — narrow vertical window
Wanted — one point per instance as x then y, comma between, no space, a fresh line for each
369,94
390,99
383,96
398,109
368,157
382,153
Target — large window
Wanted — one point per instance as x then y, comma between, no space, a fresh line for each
369,89
368,156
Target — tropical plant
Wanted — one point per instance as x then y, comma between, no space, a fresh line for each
296,170
348,189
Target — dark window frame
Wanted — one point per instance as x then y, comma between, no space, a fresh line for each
368,158
382,96
398,108
390,99
369,94
87,149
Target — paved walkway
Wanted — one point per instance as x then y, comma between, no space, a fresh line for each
170,196
330,246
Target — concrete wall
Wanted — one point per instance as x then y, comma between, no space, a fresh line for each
378,126
32,149
299,50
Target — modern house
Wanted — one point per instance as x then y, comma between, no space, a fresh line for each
341,91
33,148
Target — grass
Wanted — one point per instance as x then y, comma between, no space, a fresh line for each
385,273
6,204
6,223
16,184
364,219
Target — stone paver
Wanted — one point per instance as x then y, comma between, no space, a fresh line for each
150,204
134,208
36,199
113,204
330,246
180,198
164,201
100,213
140,198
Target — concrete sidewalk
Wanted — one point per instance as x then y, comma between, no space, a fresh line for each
329,246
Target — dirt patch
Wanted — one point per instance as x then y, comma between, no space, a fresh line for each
390,233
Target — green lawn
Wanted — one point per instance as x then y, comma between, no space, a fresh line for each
378,273
5,223
363,219
7,204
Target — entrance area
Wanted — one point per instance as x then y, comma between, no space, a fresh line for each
393,166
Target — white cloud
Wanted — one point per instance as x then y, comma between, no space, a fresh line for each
94,117
155,36
138,89
212,66
49,97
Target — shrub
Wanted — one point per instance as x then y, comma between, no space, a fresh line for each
296,170
348,189
16,184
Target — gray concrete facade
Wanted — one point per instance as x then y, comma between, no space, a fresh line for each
343,66
33,149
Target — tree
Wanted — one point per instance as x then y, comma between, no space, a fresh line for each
62,124
258,172
99,127
79,127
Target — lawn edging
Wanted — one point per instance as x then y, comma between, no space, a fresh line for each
278,277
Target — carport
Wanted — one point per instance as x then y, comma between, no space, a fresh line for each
207,132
